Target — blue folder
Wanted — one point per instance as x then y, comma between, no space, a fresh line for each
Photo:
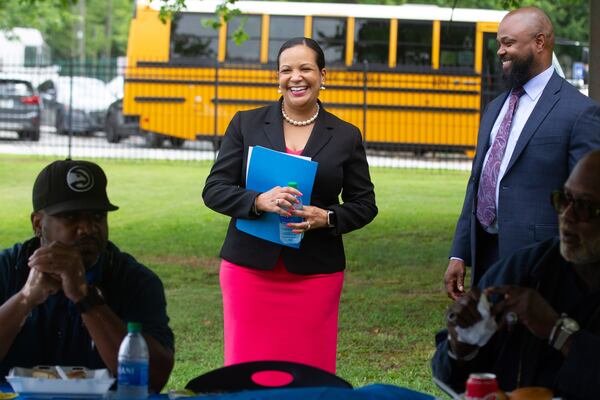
269,168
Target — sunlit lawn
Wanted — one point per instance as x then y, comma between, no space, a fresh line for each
393,298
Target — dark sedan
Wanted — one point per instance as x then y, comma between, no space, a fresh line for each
20,109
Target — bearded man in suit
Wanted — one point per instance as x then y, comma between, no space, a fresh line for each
529,140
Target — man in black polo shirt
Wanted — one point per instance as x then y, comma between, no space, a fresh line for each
67,294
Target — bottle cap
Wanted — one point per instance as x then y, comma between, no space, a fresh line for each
134,327
293,184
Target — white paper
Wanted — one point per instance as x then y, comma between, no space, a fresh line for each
481,332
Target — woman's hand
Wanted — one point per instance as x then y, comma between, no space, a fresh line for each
314,218
278,200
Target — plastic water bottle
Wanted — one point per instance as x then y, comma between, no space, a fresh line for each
133,364
285,232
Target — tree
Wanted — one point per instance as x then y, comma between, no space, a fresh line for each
105,33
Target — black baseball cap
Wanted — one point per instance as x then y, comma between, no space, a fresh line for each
71,185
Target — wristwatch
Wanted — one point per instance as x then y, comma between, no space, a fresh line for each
562,330
93,298
331,219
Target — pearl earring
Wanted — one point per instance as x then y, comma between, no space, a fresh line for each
323,87
279,90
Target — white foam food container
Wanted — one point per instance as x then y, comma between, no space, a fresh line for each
96,383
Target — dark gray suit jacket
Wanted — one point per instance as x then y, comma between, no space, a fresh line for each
563,126
343,170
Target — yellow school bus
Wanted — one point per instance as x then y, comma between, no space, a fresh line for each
410,76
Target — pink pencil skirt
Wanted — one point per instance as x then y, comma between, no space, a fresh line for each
277,315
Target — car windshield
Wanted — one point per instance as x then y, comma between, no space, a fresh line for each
88,93
14,89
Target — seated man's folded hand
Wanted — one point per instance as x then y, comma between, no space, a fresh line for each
526,306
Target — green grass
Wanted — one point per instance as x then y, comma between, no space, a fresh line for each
393,298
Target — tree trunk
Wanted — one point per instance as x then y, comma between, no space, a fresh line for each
81,32
594,66
108,30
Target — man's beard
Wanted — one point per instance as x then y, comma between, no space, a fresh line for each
584,253
519,72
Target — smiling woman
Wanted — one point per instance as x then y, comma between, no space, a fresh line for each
281,303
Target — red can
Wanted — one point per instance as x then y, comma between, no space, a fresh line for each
482,386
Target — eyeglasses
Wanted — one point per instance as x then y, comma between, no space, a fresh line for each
584,210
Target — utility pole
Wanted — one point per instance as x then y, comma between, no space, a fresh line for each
108,30
81,32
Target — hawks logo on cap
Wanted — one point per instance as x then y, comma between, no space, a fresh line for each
80,179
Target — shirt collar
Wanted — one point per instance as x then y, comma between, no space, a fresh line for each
535,86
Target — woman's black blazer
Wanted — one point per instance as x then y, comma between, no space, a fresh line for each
342,170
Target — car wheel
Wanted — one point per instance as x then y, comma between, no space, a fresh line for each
154,140
111,127
176,142
34,135
60,122
216,143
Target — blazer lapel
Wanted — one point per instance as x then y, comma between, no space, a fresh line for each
320,135
548,99
273,127
486,125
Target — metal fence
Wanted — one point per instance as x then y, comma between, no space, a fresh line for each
408,119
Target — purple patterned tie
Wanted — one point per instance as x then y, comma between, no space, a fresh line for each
486,194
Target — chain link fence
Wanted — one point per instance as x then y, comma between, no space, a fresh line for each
408,119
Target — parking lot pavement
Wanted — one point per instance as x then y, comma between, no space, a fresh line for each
96,146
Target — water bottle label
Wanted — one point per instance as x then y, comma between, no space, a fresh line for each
292,219
133,374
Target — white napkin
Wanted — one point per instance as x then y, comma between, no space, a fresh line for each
480,333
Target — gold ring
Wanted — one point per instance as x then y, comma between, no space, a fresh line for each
308,226
276,202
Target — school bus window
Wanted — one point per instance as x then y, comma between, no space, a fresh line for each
414,43
192,40
282,28
371,41
331,35
249,51
457,43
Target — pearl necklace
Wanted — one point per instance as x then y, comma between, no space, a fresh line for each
299,123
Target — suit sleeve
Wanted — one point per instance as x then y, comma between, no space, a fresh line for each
224,190
461,243
358,195
585,135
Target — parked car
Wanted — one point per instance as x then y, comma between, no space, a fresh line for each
20,108
115,86
118,126
75,104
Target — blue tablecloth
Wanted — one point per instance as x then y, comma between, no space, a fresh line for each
369,392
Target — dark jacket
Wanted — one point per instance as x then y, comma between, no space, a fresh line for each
343,170
518,358
562,128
